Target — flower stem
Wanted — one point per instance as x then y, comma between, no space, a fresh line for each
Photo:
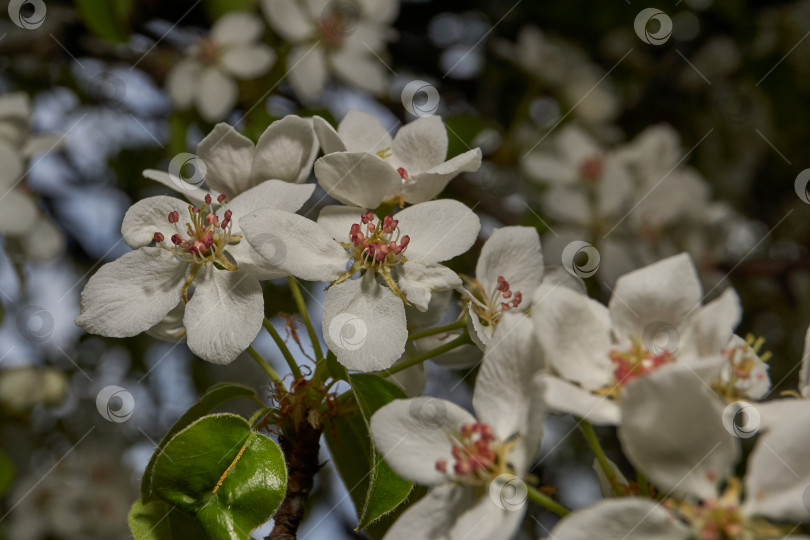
264,365
547,502
643,485
463,339
601,458
302,309
438,330
283,348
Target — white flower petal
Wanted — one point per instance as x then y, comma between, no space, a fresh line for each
337,220
288,19
327,136
364,324
439,230
661,292
357,178
422,144
360,69
275,194
432,516
131,294
543,167
216,95
13,167
49,241
418,281
307,70
18,213
248,61
412,434
294,244
285,151
183,81
227,155
224,315
486,520
804,371
574,334
237,28
576,145
151,215
672,430
515,254
42,143
710,328
778,472
563,397
191,192
631,518
507,394
362,132
426,185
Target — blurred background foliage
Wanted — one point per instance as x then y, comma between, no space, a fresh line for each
95,71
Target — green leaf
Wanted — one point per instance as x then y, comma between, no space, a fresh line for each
6,472
335,368
375,489
158,520
217,8
108,19
230,477
213,398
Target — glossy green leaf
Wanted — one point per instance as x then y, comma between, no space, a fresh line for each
158,520
375,489
335,368
230,477
108,19
213,398
6,472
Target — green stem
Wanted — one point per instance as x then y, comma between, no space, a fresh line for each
283,348
302,309
264,365
463,339
601,458
456,325
547,502
643,485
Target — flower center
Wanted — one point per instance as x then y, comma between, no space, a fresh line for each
633,363
377,247
478,456
207,51
591,168
743,367
204,239
490,308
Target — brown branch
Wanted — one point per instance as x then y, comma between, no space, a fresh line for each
301,453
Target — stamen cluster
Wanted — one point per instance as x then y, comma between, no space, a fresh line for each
478,455
637,362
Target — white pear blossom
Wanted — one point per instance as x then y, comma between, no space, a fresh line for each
654,318
677,434
205,78
509,270
202,260
466,458
364,166
339,37
232,164
403,251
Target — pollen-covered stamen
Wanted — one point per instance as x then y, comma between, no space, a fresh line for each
204,239
491,307
478,455
744,368
378,247
591,168
402,173
637,361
